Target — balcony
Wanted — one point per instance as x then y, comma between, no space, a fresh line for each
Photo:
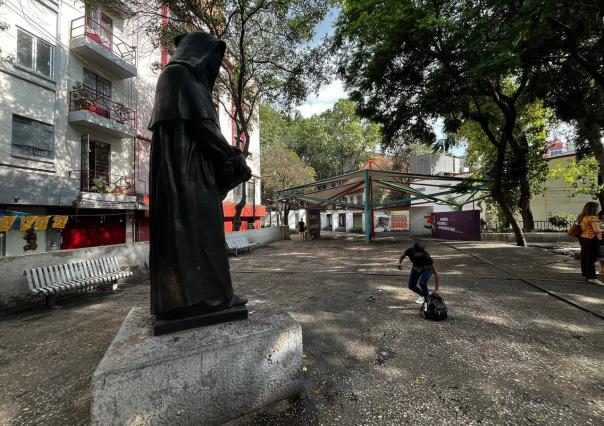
97,44
105,191
100,114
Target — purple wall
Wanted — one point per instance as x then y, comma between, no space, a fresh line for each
457,225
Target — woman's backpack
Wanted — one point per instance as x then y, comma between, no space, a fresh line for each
434,309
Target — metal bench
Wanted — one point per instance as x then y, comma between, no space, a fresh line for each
239,243
84,275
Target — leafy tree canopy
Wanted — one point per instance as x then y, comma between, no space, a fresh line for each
282,168
334,142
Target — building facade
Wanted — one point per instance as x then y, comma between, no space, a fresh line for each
76,100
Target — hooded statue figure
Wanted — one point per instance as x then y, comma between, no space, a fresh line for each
192,168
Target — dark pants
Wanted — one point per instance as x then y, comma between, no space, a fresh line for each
589,255
423,278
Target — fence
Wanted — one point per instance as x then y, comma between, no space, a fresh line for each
540,226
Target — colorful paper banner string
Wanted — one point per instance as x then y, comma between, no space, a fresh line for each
41,223
27,222
59,222
6,223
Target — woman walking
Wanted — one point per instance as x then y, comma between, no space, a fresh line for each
590,239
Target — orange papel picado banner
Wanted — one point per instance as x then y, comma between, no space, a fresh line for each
41,223
59,222
27,222
6,223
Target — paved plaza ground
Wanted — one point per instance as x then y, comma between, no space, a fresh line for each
509,354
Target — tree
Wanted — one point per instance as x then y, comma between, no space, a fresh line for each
412,62
582,174
565,43
268,52
534,121
335,142
282,168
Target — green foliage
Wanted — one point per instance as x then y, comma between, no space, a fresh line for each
282,168
100,185
532,125
581,174
333,143
561,220
268,51
358,229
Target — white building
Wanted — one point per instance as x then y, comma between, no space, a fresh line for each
75,104
435,164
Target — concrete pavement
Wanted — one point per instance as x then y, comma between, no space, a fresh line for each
508,354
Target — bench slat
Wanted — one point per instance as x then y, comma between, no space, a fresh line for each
84,274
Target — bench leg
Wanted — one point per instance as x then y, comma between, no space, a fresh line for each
114,286
51,300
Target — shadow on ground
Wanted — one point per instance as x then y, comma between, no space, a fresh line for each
509,354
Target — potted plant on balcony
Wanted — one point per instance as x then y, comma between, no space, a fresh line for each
100,185
122,113
80,97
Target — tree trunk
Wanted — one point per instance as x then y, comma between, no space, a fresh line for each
239,208
509,215
521,150
499,196
528,222
286,215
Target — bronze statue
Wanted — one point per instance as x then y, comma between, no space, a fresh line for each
192,169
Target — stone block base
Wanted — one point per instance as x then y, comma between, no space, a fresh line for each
203,376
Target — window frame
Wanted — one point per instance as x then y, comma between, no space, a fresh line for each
31,156
34,55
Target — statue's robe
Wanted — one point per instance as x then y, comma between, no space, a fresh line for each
192,167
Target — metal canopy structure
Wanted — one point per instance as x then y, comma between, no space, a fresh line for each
406,189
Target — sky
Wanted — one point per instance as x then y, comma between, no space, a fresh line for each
329,94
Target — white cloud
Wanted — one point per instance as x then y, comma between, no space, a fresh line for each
328,95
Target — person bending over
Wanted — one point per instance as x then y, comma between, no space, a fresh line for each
421,271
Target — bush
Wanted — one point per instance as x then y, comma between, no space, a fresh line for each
561,220
357,229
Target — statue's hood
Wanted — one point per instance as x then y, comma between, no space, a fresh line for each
184,87
202,52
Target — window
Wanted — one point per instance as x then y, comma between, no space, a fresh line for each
99,91
237,193
100,27
34,53
32,138
251,192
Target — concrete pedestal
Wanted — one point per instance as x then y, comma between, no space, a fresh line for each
202,376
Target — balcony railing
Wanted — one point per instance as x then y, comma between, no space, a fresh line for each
88,100
105,183
93,30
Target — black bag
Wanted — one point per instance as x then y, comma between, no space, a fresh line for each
435,309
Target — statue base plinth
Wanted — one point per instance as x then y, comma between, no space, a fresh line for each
226,315
206,375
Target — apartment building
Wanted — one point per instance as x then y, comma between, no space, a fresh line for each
76,100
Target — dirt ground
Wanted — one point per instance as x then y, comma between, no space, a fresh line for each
508,354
